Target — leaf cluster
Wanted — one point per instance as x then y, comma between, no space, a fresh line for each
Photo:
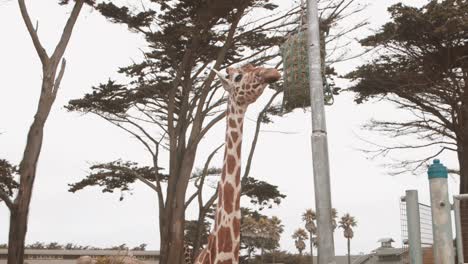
116,175
190,232
8,173
414,62
170,29
261,193
259,231
423,71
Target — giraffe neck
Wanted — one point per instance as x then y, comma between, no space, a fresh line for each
224,242
228,215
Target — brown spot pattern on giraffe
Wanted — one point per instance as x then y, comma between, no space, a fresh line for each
228,198
224,239
232,123
234,136
220,195
231,164
236,226
229,143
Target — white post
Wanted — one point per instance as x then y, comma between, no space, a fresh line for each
414,227
321,167
441,219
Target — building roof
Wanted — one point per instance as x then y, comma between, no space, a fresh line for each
85,252
384,251
344,259
386,240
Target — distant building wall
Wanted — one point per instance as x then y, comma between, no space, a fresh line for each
60,256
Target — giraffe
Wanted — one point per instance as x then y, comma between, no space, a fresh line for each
244,85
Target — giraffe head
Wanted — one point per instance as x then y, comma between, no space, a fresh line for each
246,84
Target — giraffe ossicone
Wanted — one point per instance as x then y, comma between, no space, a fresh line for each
244,85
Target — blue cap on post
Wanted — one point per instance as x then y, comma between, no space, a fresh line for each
437,170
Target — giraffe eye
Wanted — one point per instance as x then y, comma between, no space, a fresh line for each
238,78
227,76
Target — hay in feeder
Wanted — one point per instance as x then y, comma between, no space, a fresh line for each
296,72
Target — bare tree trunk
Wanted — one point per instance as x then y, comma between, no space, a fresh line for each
349,251
311,249
27,169
177,211
18,227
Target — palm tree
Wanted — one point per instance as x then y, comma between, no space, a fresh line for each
347,222
299,236
334,216
309,218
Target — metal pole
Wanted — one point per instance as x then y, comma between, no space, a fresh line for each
459,240
326,250
441,220
414,227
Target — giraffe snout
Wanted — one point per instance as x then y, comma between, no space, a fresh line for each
271,75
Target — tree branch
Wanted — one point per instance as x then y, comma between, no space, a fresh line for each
67,31
33,33
138,176
257,132
6,198
58,80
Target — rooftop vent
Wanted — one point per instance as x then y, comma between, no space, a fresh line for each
386,242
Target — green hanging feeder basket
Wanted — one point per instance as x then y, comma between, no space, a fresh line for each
296,73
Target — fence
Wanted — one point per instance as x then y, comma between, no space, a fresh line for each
424,224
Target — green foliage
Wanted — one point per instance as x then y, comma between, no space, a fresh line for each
417,62
261,193
280,257
170,28
36,245
299,236
421,67
53,245
309,218
141,247
259,231
8,173
116,175
72,246
190,232
347,222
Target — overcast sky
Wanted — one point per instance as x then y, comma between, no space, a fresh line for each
72,142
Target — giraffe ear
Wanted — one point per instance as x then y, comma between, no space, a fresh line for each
225,82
